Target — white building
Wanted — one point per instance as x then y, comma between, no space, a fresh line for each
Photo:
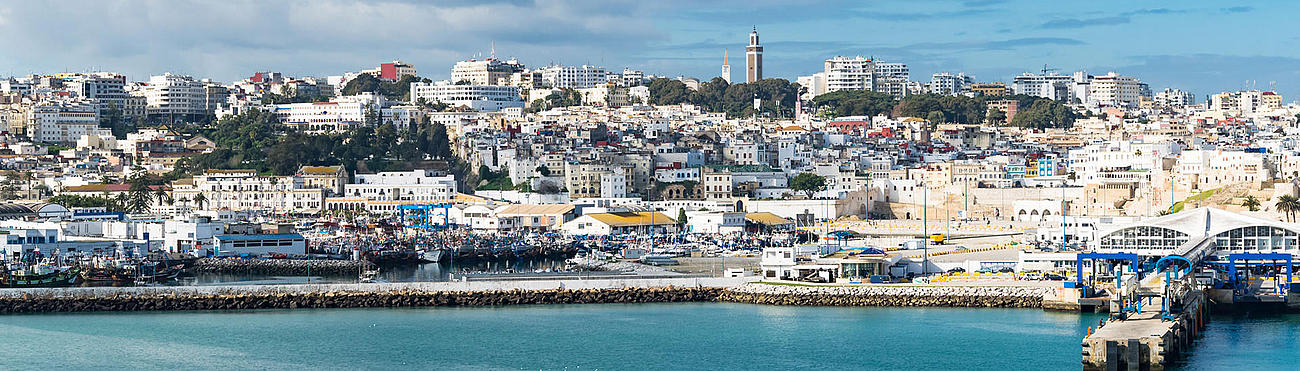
576,77
950,84
1171,97
105,89
482,98
844,73
176,95
1051,86
490,71
240,190
59,122
1115,90
892,70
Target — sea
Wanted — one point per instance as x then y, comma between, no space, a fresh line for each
663,336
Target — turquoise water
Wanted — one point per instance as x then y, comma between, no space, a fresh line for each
572,337
1247,341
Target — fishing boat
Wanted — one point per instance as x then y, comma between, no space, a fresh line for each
39,276
433,255
157,272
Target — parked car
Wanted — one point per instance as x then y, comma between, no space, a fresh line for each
1053,277
957,270
1006,270
1032,276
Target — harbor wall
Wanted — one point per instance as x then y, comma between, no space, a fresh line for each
278,267
479,293
889,296
472,293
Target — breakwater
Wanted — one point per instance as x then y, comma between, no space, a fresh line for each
493,293
164,301
888,296
278,267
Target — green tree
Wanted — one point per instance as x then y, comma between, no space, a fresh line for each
1045,113
854,103
543,170
808,183
112,119
995,116
935,117
200,200
1288,205
1251,203
681,217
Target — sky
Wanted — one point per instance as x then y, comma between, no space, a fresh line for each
1201,46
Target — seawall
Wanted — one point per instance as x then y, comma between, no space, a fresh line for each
474,293
889,296
272,267
489,293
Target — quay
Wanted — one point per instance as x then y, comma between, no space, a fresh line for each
1146,340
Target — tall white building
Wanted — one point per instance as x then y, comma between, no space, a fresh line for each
1171,97
105,89
1050,86
844,73
1113,89
894,70
177,95
489,71
950,84
482,98
60,122
575,77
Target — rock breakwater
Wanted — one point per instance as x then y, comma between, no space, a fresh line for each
282,267
888,296
165,300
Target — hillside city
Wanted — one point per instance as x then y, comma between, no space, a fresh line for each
99,162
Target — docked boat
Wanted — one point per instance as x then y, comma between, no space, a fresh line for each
39,276
433,255
157,273
659,259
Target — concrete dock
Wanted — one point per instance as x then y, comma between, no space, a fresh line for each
1145,341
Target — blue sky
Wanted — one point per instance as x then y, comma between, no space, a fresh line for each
1200,46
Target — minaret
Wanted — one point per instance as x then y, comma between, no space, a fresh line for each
726,68
753,58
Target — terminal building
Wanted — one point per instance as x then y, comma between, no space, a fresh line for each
1201,232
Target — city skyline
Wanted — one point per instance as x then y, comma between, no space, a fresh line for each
992,40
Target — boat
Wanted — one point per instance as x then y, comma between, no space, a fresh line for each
433,255
369,276
659,259
157,273
39,276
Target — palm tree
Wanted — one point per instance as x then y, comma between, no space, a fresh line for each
200,200
1288,205
1251,203
162,196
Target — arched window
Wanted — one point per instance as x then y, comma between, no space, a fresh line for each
1256,238
1143,238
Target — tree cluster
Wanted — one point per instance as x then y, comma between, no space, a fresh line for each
777,96
257,140
853,103
397,90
